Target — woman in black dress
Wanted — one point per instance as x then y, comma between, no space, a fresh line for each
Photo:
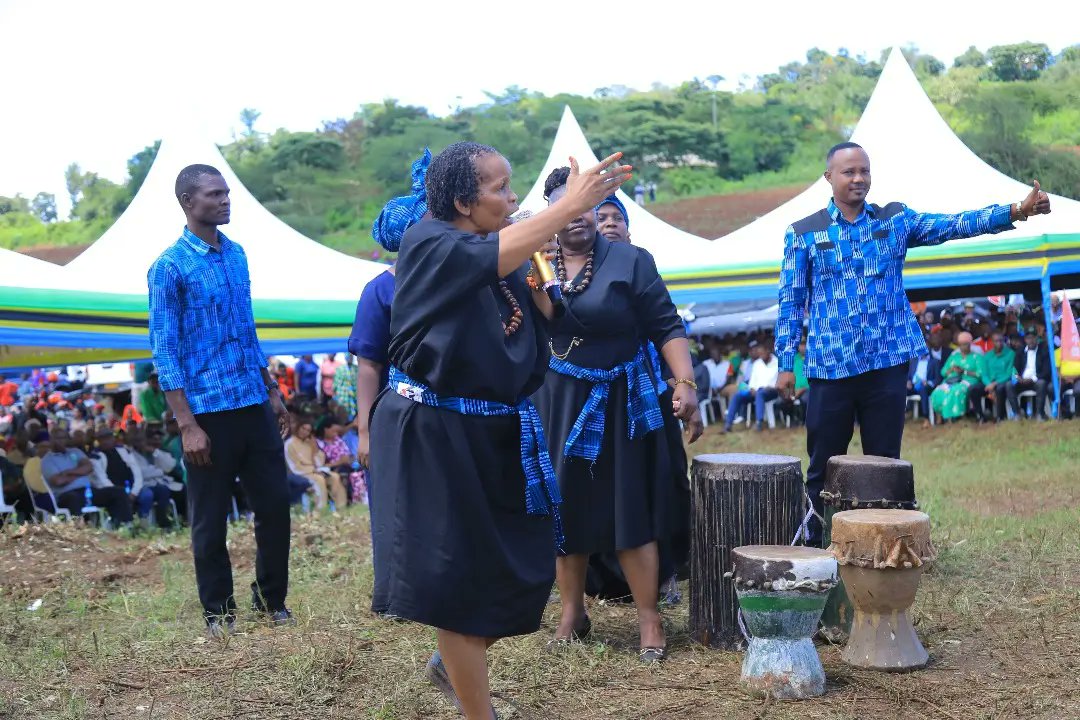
456,445
605,578
600,408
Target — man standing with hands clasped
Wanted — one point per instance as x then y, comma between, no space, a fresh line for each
231,414
843,266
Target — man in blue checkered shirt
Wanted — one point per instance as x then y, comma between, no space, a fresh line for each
843,269
231,414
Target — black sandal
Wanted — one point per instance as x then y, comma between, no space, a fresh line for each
652,655
578,634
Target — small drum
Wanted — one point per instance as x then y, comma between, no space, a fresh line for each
882,555
853,482
782,591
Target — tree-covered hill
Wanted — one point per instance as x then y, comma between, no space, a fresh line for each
1016,106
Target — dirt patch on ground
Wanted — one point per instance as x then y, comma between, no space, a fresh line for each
57,255
717,215
1022,502
37,558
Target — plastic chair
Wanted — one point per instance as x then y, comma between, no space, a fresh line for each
770,413
915,401
1029,395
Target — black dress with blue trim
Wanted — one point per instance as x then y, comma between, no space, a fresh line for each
623,498
462,551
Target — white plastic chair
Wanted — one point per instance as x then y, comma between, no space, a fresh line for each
915,401
770,413
1025,395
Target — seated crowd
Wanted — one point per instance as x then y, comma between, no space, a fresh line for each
65,451
986,365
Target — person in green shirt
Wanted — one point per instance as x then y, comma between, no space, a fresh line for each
997,372
962,370
152,403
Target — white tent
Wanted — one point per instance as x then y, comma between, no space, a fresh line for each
670,247
915,158
283,263
28,272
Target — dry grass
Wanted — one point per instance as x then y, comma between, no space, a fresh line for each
117,634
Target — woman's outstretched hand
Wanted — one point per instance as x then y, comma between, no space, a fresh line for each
586,189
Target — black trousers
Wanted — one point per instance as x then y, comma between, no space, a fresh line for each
113,499
244,444
876,399
1039,386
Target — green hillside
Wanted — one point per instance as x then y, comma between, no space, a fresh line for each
1017,106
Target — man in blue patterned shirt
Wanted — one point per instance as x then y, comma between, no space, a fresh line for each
231,414
843,269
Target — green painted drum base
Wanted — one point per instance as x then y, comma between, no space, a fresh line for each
781,661
782,669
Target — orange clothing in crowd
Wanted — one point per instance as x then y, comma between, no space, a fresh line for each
8,393
130,414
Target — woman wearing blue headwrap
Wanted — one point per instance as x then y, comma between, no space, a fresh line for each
603,417
369,340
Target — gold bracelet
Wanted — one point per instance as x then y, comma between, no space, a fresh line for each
684,381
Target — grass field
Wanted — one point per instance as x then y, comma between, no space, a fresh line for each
118,630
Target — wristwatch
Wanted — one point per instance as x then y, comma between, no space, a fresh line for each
272,386
1020,212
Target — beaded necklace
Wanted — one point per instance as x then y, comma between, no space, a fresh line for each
568,286
516,316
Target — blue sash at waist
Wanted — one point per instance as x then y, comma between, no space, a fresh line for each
642,404
541,488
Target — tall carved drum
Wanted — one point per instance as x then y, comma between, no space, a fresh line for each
853,482
782,591
736,499
882,555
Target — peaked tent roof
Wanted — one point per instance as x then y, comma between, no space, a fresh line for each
906,139
94,309
669,246
283,263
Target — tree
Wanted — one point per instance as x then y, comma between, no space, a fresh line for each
307,148
44,206
73,179
100,199
972,57
138,166
248,116
388,118
715,81
1022,61
17,204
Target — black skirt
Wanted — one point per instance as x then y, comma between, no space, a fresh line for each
624,499
460,552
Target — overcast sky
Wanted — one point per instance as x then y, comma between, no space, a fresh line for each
94,82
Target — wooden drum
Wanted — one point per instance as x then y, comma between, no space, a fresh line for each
782,591
736,499
882,555
855,482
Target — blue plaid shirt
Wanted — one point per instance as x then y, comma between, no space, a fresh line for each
852,276
202,329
